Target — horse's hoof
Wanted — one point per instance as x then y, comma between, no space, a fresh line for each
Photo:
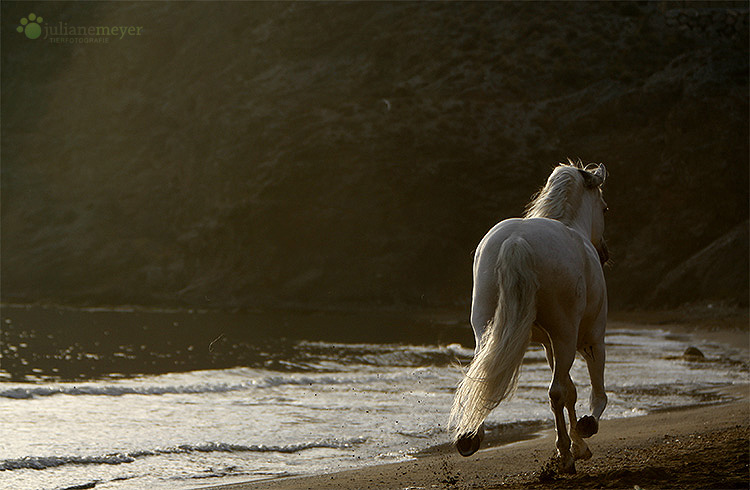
587,426
469,444
567,468
581,453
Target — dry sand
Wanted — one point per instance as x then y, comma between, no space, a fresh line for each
688,448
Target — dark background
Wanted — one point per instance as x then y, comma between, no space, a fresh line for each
332,156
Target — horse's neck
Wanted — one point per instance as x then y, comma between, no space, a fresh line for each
583,221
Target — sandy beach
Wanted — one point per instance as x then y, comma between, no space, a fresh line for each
691,447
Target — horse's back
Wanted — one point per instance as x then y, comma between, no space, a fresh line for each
555,246
566,268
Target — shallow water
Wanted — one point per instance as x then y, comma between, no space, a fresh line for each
234,401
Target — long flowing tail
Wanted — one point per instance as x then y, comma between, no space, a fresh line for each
492,375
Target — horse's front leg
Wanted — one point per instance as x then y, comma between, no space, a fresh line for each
558,395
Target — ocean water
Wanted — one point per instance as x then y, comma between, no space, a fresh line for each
180,400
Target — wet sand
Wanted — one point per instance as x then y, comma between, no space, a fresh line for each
700,447
688,448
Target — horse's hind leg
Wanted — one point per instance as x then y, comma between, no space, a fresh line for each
469,444
484,302
564,354
595,357
579,447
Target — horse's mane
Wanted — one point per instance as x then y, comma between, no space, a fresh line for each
561,195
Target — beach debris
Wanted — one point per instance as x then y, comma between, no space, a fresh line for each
211,345
693,354
449,477
548,472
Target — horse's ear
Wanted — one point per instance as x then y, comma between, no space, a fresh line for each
601,171
591,180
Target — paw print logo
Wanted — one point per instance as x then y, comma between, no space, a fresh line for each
30,26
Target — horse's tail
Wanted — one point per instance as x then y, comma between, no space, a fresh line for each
492,375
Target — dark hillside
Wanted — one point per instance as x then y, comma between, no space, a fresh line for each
329,155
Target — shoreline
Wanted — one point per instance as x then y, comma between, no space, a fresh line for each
650,450
697,446
703,446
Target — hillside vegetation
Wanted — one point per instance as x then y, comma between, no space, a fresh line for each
332,155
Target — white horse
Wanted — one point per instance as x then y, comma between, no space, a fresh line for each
540,279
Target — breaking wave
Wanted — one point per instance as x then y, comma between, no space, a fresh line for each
45,462
270,381
312,363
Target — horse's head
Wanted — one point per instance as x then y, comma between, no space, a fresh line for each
593,177
573,195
